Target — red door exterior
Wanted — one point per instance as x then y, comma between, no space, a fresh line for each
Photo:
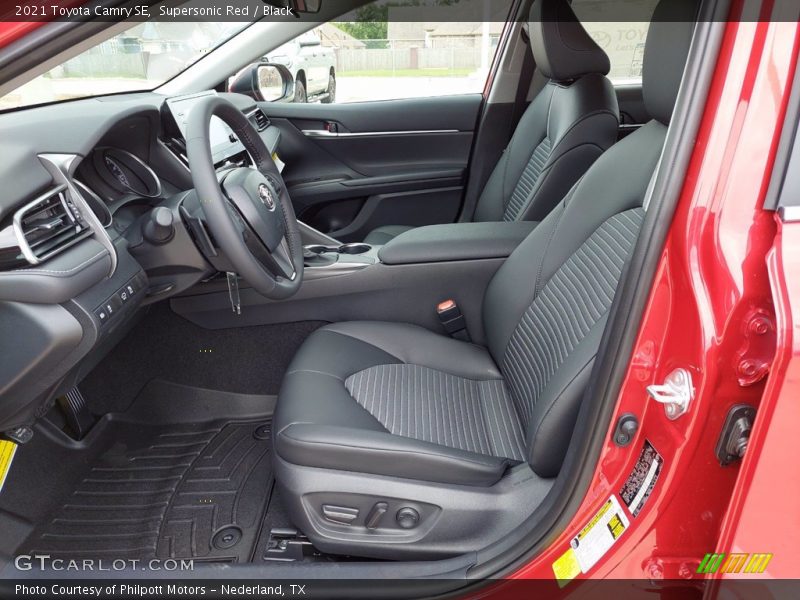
726,295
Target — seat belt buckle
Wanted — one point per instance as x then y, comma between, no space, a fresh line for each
452,320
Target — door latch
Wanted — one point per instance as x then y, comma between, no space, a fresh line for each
675,393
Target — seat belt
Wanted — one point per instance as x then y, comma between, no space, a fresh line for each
452,320
525,79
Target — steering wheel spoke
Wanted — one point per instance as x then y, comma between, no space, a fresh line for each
283,260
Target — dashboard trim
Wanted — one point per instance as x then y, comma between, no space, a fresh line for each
153,175
96,198
61,168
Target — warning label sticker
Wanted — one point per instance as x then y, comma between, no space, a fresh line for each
642,480
599,535
7,451
592,542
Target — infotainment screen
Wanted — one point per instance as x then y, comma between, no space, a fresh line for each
224,144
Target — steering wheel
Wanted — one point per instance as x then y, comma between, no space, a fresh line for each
247,209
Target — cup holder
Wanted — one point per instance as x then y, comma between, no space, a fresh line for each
354,248
319,249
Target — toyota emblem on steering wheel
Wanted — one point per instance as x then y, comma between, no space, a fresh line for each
266,196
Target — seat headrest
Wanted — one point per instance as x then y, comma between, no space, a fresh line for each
665,54
561,47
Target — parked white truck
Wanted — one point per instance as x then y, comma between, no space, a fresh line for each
312,65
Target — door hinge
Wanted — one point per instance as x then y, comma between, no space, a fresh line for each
675,393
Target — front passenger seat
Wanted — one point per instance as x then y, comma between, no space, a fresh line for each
569,124
392,441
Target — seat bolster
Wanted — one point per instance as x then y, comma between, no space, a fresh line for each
332,351
416,345
380,453
313,388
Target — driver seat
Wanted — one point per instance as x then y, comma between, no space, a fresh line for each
392,441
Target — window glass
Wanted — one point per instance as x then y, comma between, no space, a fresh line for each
141,58
397,49
619,27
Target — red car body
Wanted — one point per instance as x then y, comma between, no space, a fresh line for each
725,304
726,262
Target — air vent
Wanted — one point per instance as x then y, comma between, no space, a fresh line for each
260,120
49,225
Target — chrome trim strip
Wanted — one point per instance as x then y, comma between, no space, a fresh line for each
61,167
90,192
321,133
142,164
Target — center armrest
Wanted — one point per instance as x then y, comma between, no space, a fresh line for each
455,241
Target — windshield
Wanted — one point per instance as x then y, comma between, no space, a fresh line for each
141,58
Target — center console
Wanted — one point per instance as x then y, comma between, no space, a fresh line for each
403,280
339,256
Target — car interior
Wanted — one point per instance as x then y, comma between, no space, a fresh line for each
373,355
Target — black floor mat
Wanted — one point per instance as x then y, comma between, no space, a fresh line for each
185,474
247,360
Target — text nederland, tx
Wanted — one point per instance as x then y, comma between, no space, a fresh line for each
170,590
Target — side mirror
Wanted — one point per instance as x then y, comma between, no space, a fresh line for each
309,41
264,82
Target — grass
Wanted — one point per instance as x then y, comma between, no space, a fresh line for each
409,73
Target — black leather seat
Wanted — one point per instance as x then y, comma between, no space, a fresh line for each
569,124
375,418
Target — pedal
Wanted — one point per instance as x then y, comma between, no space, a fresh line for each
289,545
19,435
76,413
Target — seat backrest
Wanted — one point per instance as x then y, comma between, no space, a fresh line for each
546,308
569,124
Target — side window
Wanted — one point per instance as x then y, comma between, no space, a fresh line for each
620,27
394,49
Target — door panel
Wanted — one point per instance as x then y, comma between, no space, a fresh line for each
353,167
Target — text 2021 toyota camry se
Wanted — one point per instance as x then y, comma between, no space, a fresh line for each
507,306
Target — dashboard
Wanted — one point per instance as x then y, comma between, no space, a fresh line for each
79,184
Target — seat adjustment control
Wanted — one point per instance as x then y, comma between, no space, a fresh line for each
374,516
407,518
343,515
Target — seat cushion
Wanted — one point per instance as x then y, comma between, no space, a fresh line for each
383,235
437,407
397,400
